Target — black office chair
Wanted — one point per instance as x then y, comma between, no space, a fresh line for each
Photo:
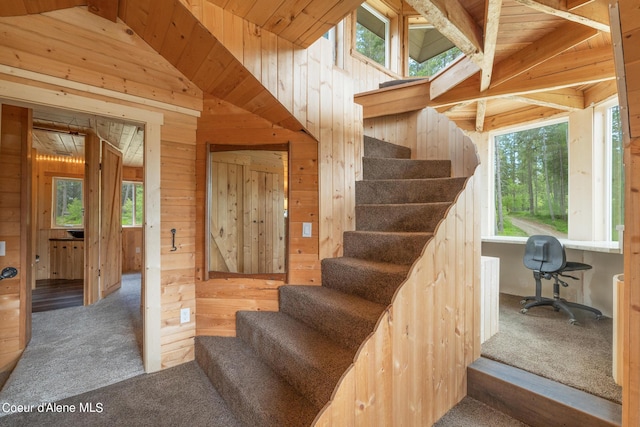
545,255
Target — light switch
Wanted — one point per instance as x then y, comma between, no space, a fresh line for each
306,229
3,249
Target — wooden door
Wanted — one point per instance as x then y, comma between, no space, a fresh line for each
103,228
91,219
111,220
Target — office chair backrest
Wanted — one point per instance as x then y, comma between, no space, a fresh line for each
544,254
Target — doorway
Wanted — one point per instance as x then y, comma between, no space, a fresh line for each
41,98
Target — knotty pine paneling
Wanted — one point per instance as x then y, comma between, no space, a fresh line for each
219,299
320,96
15,211
106,55
428,364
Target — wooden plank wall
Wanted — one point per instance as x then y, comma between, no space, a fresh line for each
629,32
429,135
320,96
87,49
219,299
15,309
427,364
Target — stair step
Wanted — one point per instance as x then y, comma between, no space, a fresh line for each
374,147
472,413
348,319
394,247
255,394
375,168
308,360
535,400
371,280
416,217
408,190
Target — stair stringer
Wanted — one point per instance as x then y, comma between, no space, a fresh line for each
407,373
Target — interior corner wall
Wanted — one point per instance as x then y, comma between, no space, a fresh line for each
581,175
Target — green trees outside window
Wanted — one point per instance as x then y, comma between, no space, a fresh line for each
432,65
531,179
132,204
68,206
614,130
371,35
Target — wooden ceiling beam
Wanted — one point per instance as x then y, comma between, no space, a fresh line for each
564,71
520,116
453,21
481,111
567,99
572,4
107,9
453,76
569,69
565,37
491,21
594,14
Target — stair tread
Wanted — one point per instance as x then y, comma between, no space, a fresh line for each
252,384
386,267
396,205
392,233
353,304
307,359
346,318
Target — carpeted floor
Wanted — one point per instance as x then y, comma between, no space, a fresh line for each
177,396
544,343
78,349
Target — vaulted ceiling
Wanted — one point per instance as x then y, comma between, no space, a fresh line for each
524,60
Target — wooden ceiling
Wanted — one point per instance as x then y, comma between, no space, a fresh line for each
524,60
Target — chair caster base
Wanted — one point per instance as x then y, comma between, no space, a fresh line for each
573,322
524,311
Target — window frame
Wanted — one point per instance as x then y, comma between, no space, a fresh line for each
387,40
491,172
133,214
54,202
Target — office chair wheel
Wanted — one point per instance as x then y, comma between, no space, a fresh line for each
523,301
524,310
573,322
598,316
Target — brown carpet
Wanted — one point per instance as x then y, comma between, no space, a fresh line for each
175,397
544,343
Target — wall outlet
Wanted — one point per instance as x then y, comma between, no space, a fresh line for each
137,250
306,229
185,315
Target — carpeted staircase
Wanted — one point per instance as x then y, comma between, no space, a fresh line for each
283,366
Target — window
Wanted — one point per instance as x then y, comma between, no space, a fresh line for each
132,204
615,190
429,51
68,205
372,34
531,181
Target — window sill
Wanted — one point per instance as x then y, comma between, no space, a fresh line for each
592,246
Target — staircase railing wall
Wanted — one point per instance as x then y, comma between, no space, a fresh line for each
412,368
